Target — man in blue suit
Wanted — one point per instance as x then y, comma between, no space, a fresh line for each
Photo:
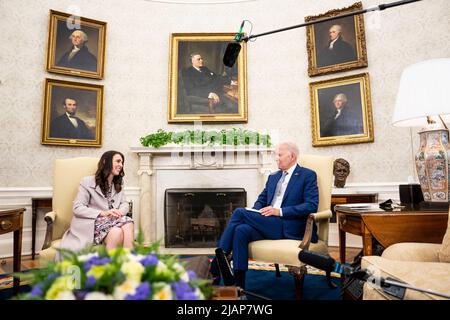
289,196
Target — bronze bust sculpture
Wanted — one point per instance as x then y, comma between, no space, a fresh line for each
341,170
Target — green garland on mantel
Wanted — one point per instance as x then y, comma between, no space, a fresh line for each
201,137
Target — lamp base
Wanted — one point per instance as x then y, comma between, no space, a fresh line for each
432,163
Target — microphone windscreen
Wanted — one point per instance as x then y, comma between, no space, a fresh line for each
231,54
317,260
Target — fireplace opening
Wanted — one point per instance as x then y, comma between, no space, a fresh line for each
196,217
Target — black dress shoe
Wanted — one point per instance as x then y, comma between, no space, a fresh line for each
225,268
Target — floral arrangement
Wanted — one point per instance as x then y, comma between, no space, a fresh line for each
118,274
223,137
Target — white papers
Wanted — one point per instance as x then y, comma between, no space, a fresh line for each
360,206
251,209
357,205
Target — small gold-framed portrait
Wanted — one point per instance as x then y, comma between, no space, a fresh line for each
336,45
201,87
341,111
72,114
76,45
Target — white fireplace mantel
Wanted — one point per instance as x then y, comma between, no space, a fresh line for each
195,167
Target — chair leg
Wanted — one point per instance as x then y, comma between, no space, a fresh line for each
299,277
277,270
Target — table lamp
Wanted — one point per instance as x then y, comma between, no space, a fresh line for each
423,100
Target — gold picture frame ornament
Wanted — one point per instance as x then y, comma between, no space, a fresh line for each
201,87
76,45
72,114
341,111
336,45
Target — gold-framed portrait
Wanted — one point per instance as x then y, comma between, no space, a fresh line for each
336,45
201,87
72,114
341,111
76,45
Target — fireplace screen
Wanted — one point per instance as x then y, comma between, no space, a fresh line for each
196,218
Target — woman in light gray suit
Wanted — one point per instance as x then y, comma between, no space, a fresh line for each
100,208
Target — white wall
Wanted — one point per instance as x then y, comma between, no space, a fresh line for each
136,77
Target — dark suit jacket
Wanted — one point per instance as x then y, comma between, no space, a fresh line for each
348,122
342,52
200,84
61,127
300,199
83,59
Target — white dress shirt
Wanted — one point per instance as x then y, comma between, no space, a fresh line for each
73,120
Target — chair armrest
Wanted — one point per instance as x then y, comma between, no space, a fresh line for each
322,215
49,218
304,245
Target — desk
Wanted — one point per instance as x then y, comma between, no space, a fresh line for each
337,199
37,203
389,227
11,220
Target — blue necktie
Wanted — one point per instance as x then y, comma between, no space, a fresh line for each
279,184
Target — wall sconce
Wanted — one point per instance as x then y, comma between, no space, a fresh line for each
423,100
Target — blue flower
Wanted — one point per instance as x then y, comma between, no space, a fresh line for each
150,260
192,275
90,282
36,291
80,294
53,276
142,292
95,261
183,291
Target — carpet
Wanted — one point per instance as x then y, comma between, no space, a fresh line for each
261,280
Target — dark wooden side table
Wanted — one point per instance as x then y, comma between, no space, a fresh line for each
346,198
11,220
37,203
389,227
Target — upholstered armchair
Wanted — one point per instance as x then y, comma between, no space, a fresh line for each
285,251
67,174
422,265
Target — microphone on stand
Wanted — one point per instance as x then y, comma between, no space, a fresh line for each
322,262
233,48
389,285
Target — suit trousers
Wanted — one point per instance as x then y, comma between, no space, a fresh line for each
244,227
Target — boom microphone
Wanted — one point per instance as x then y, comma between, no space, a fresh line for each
233,48
320,261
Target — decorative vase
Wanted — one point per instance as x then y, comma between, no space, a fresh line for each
432,163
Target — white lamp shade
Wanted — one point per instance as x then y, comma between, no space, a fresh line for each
424,91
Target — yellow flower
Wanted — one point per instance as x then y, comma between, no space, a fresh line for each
133,270
97,271
164,294
63,266
127,287
61,284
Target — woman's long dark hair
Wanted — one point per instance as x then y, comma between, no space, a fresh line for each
105,168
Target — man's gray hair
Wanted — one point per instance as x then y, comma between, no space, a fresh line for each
337,27
341,96
291,146
83,35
